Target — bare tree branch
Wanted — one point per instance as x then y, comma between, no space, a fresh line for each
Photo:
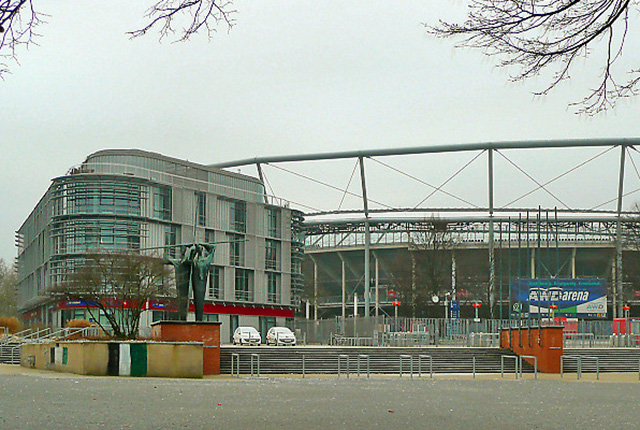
18,23
182,18
540,35
192,15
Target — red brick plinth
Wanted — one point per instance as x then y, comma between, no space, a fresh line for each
190,331
545,343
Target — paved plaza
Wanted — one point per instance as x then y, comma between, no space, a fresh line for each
31,399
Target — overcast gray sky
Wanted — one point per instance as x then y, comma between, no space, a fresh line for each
293,76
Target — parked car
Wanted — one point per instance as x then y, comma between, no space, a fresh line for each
280,336
246,336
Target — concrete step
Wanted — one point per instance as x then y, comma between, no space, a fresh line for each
10,353
275,360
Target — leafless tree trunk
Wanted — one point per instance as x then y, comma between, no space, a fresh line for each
548,35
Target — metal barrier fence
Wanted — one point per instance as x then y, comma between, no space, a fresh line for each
405,332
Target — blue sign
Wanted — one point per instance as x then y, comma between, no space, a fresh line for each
571,298
455,309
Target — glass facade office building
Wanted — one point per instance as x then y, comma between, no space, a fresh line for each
136,200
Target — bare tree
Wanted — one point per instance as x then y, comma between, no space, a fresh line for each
8,291
537,36
117,286
428,270
177,19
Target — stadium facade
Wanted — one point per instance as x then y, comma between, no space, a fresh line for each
137,200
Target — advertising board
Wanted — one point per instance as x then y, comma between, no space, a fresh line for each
574,298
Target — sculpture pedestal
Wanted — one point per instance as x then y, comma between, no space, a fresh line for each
192,331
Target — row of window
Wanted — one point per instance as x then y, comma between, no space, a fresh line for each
243,285
125,198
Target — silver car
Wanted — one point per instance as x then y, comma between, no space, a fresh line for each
246,336
280,336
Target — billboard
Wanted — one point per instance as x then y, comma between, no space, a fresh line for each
574,298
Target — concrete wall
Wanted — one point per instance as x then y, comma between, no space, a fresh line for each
184,361
163,359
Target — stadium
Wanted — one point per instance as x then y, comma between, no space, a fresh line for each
465,230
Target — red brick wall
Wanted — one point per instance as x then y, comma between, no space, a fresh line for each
548,348
206,332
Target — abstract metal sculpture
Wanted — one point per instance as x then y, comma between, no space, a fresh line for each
192,271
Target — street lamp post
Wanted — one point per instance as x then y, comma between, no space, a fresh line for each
552,313
476,306
396,305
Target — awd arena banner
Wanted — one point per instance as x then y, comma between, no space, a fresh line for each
574,298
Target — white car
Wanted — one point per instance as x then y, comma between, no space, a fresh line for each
246,336
280,336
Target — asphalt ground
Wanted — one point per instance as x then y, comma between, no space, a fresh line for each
32,399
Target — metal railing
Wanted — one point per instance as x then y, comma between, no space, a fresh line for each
406,332
341,356
421,356
237,361
535,364
365,356
410,357
515,359
579,340
579,359
257,357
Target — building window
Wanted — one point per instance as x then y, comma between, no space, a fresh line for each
273,287
238,221
236,249
210,236
162,202
210,318
215,290
170,239
244,290
201,208
273,222
271,254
